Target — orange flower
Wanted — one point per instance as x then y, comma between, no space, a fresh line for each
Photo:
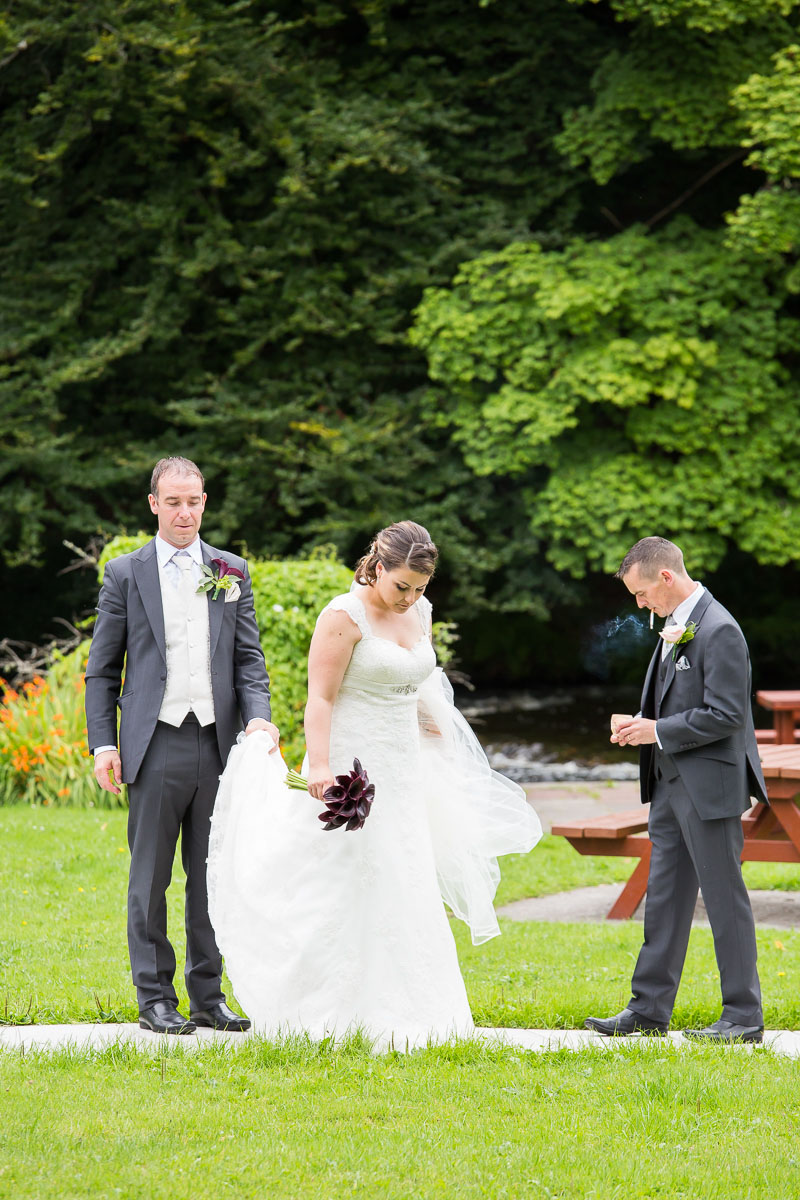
11,696
63,791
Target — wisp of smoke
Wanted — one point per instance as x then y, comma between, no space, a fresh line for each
618,638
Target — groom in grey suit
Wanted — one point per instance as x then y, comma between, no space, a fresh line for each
194,675
699,768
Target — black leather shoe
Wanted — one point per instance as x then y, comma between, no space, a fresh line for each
726,1031
163,1017
219,1016
624,1023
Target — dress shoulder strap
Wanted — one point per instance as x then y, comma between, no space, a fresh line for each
353,605
425,610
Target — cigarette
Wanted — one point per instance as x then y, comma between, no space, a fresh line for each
651,618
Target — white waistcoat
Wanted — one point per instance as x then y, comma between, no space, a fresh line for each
188,657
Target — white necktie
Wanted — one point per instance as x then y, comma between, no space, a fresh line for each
183,560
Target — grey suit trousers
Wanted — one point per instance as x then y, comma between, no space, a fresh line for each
173,794
689,852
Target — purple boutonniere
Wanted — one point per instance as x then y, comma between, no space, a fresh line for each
224,579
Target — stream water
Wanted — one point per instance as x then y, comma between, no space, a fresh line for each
552,734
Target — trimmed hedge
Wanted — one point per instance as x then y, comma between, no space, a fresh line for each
44,757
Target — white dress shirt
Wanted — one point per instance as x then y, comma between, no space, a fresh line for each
680,615
166,556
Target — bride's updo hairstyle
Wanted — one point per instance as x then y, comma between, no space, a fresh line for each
405,544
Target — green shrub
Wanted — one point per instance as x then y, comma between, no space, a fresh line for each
289,596
43,751
44,757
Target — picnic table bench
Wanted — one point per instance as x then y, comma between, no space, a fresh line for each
771,832
785,707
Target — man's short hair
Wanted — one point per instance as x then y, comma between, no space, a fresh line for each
174,466
651,555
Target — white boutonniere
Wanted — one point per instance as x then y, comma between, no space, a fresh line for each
677,635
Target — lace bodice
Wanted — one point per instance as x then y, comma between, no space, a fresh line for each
380,667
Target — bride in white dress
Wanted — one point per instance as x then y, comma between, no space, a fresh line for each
328,932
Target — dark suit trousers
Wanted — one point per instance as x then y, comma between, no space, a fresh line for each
173,794
688,852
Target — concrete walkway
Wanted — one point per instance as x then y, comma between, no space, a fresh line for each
776,910
24,1038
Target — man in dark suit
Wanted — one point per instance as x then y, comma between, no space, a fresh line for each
194,675
699,768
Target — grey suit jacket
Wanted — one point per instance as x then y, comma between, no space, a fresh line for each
129,633
706,721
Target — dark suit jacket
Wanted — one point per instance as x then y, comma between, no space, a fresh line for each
130,631
706,721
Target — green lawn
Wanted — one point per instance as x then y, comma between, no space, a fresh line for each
460,1122
292,1120
63,954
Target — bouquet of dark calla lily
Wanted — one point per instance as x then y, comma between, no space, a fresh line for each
347,801
222,580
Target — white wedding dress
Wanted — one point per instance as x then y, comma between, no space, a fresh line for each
328,932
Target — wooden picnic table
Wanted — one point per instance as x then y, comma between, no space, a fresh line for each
785,708
771,832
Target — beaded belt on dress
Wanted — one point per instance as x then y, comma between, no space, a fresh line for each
382,689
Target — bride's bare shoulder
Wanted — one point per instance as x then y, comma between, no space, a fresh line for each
340,620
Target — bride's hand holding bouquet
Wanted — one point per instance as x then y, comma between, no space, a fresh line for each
347,800
320,778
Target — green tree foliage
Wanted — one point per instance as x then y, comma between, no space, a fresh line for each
769,221
647,382
671,84
631,385
709,16
217,219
